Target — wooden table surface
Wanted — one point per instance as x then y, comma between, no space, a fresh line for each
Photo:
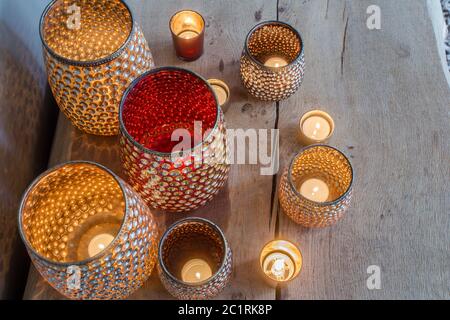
387,93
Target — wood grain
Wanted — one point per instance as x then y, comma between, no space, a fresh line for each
242,209
389,98
387,93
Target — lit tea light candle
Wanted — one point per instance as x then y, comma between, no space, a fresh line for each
99,243
315,127
315,190
196,270
276,62
278,266
221,90
281,261
188,34
187,29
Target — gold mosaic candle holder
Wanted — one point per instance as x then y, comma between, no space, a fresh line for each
93,49
280,261
273,61
194,260
316,188
87,232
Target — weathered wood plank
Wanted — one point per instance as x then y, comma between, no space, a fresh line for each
388,95
242,209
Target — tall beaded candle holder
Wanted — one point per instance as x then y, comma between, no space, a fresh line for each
161,109
195,260
87,232
273,61
316,188
93,49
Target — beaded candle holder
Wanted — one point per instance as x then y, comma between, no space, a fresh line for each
93,49
87,232
173,139
195,261
273,61
316,189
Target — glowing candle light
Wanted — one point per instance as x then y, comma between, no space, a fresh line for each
188,33
196,270
278,266
315,190
281,261
99,243
315,127
276,62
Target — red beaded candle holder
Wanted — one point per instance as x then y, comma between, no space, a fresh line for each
173,139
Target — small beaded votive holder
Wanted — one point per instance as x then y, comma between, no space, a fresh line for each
316,189
273,61
194,261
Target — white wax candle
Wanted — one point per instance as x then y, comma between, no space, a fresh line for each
276,62
196,270
278,266
316,128
315,190
188,34
99,243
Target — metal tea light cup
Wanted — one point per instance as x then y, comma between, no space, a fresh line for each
280,261
273,61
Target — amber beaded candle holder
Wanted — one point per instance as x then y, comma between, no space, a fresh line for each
316,188
194,259
157,106
188,34
93,49
273,61
87,232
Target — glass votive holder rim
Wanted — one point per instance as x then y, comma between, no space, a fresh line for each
298,267
88,63
322,114
279,23
141,147
187,220
43,176
297,192
191,11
